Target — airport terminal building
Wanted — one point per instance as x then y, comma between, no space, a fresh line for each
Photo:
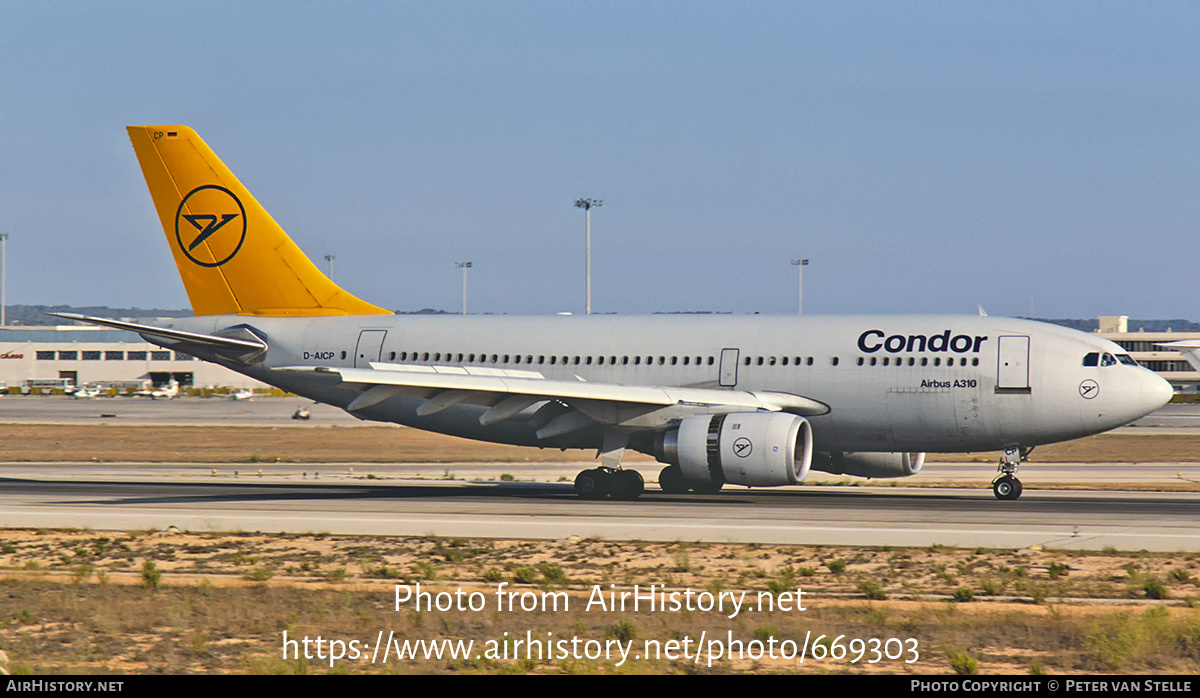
49,358
75,355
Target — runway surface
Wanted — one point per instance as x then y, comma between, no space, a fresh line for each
339,502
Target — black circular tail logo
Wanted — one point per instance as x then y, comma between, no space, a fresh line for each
210,225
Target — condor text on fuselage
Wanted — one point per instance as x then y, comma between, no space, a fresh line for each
872,341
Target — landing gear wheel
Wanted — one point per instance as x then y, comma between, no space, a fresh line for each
593,484
672,481
1007,487
627,485
706,487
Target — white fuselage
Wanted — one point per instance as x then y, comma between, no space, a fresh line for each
901,383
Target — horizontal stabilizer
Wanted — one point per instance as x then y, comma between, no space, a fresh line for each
167,336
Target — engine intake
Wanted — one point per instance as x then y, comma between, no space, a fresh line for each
760,449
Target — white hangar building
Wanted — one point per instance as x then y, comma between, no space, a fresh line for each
58,356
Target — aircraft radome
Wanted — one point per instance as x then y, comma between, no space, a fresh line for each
754,400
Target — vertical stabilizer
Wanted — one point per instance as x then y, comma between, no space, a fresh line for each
233,257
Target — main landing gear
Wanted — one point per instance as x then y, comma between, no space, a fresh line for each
672,481
610,480
598,483
1006,485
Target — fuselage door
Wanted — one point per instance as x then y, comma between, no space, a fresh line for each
729,366
370,346
1012,364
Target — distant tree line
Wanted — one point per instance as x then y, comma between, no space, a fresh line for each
36,314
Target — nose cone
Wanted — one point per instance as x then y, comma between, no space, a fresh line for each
1155,392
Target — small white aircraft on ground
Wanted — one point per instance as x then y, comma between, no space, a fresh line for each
168,391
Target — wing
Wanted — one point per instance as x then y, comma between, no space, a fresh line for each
507,392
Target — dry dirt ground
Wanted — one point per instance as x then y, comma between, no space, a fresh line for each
85,602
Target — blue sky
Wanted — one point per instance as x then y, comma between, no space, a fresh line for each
1036,158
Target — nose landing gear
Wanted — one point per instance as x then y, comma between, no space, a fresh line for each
1006,486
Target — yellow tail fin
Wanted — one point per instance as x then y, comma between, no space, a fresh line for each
233,257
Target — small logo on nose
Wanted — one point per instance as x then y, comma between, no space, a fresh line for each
1089,389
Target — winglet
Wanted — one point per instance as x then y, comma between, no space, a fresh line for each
233,257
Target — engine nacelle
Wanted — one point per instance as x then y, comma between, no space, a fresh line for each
760,449
873,465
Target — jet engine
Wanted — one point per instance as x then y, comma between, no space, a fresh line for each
873,465
761,449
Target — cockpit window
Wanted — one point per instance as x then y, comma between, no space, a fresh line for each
1092,359
1126,359
1108,360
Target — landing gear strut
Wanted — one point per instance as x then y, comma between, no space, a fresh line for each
598,483
1006,485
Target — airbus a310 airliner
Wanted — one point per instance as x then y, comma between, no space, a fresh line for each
756,401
